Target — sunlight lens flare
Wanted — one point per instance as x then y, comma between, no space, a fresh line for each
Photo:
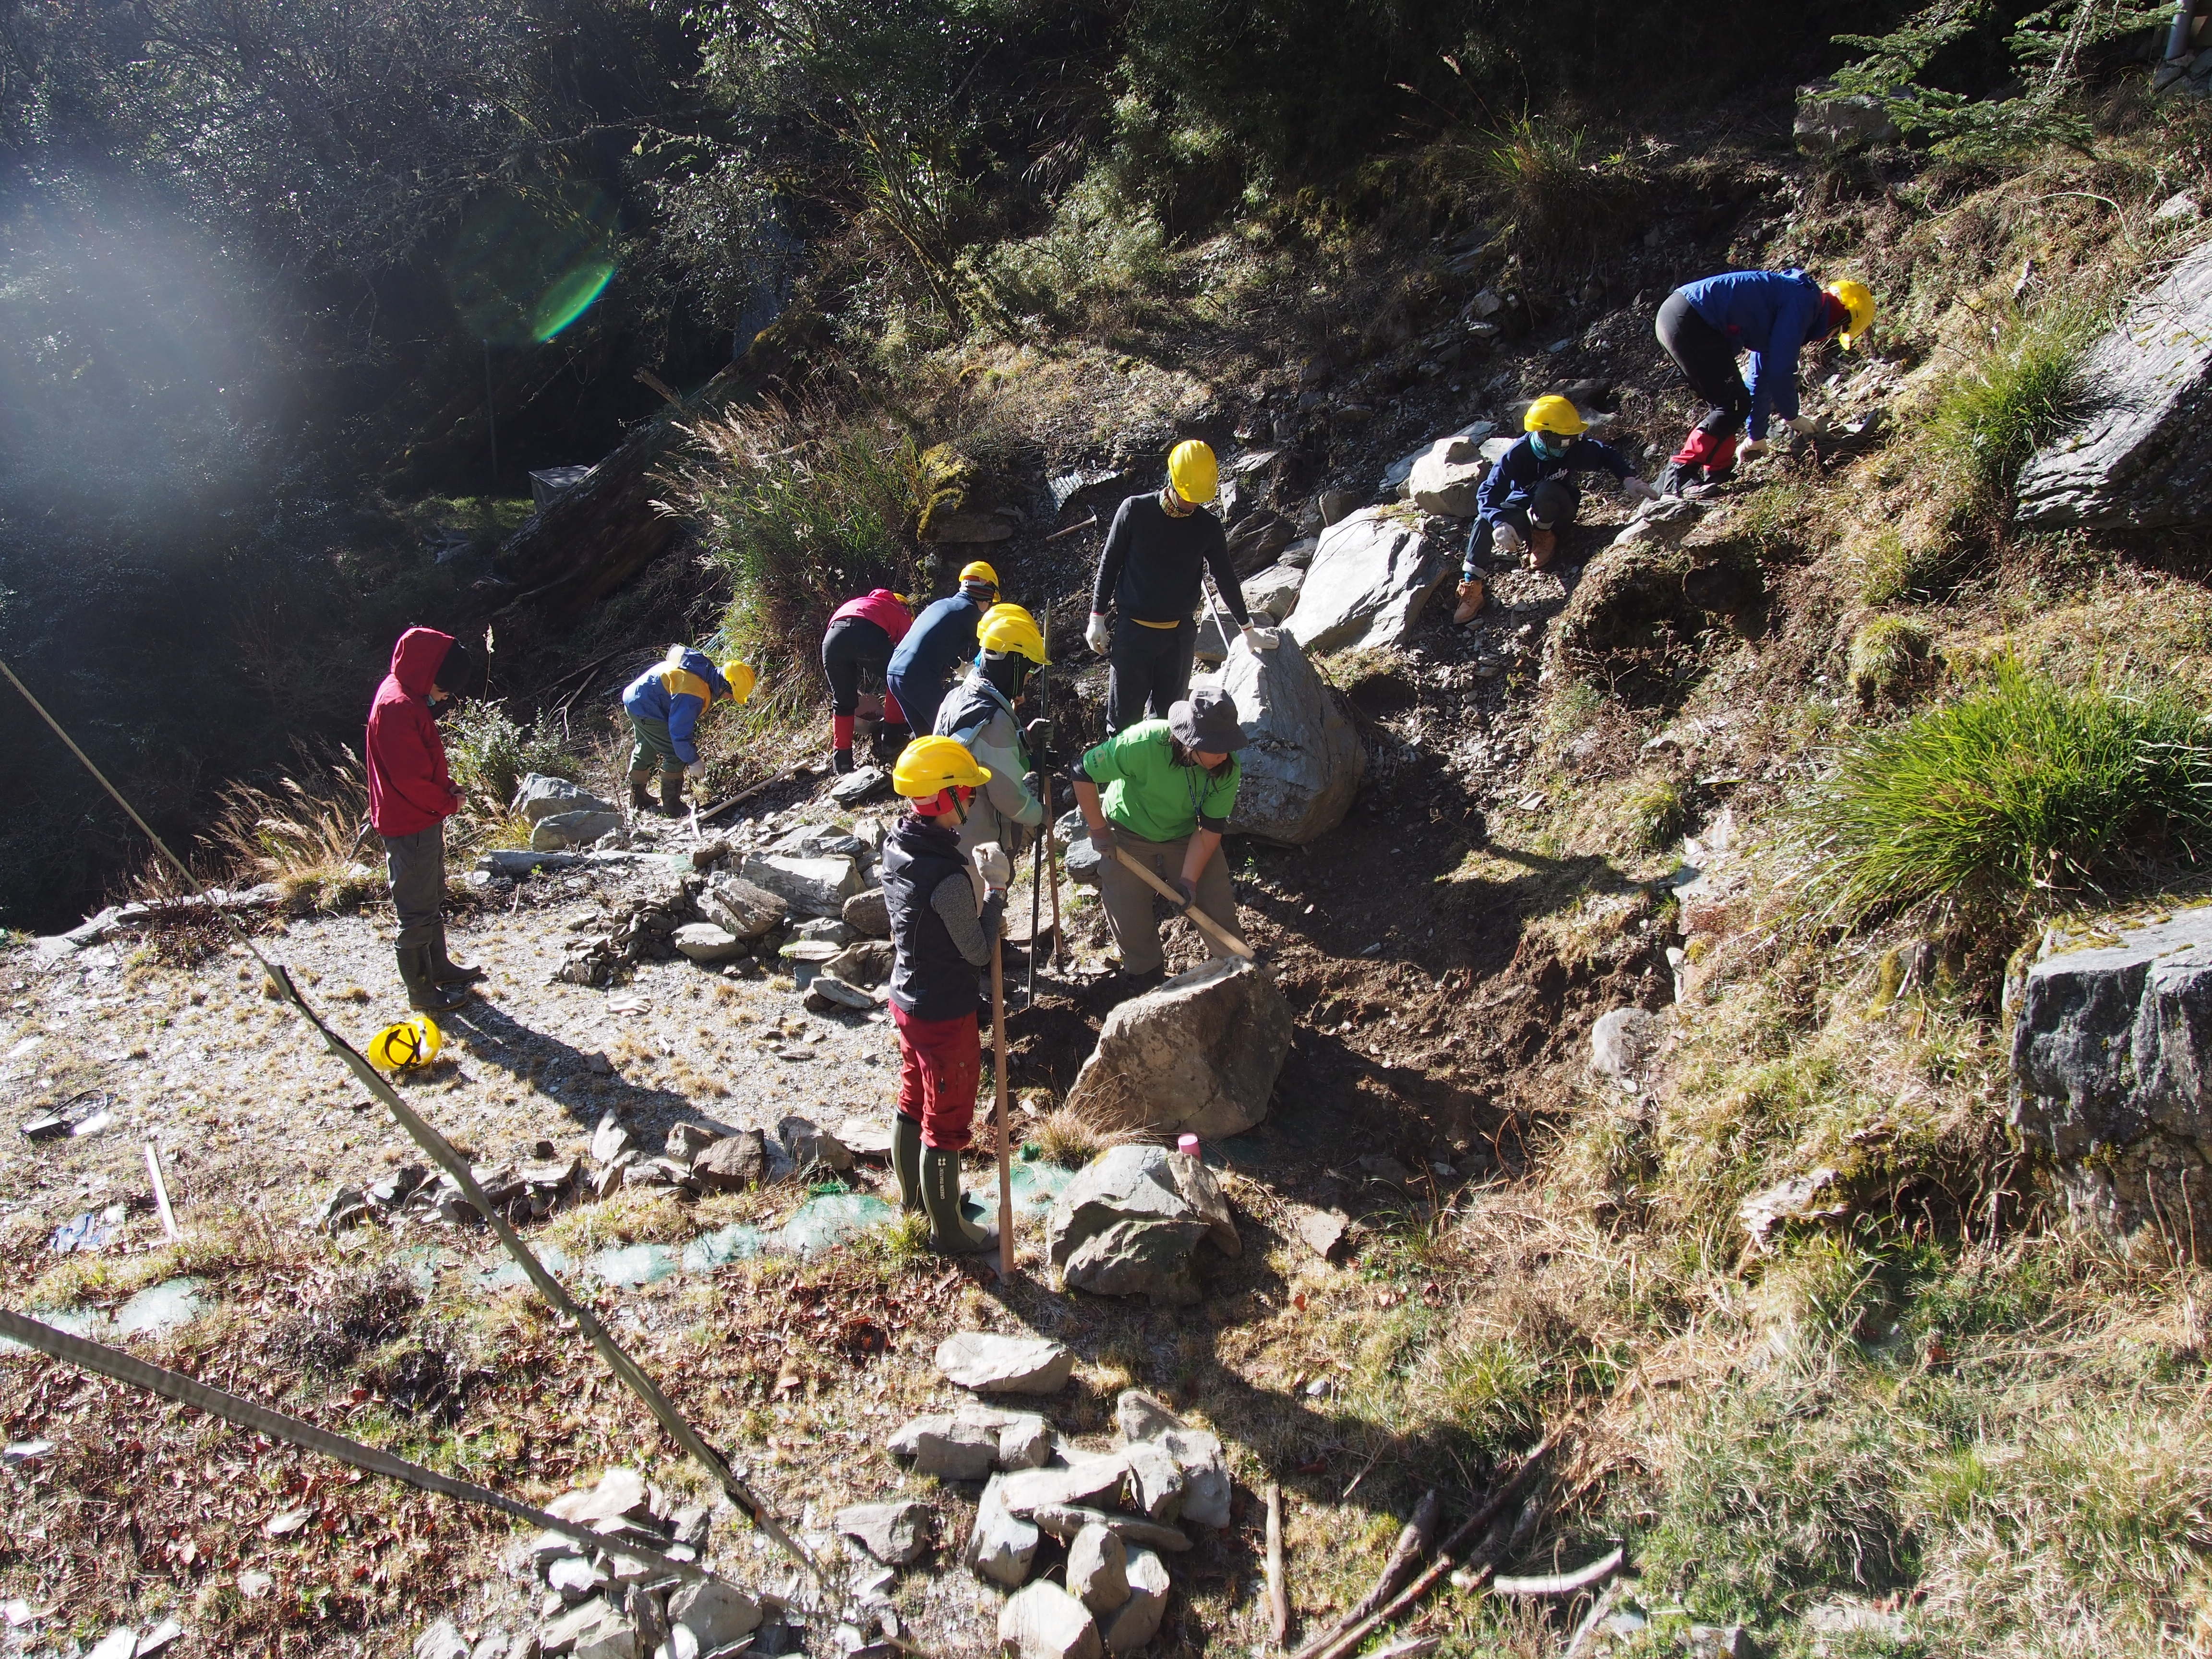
527,266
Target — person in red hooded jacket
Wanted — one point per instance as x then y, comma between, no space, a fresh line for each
411,796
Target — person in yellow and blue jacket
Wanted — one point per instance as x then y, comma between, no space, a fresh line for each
664,704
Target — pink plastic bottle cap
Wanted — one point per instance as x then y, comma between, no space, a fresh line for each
1187,1144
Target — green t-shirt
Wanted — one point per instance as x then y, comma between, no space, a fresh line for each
1146,794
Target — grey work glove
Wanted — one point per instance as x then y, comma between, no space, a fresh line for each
993,865
1750,449
1188,889
1097,637
1803,425
1505,537
1640,490
1263,639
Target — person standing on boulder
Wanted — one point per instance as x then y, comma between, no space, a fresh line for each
664,705
411,796
979,715
1771,314
946,909
1156,557
856,655
1162,791
941,640
1525,500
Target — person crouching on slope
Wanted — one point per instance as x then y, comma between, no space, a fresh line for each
856,657
1771,314
1525,500
980,716
945,911
1170,786
939,644
664,705
411,796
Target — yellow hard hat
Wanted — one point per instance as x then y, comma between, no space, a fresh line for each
741,677
1858,300
1192,470
1004,608
979,572
1554,415
928,766
1011,629
414,1041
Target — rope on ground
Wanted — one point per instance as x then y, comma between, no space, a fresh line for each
279,1426
626,1370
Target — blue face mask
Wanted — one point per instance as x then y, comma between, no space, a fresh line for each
1546,445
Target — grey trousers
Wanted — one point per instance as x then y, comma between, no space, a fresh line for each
416,865
1129,902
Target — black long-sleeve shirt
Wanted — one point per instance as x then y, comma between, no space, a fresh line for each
1151,564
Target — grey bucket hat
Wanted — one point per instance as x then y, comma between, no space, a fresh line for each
1207,721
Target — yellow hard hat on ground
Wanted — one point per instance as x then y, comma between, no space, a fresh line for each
741,678
1009,628
928,766
979,572
1554,415
414,1041
1192,470
1858,300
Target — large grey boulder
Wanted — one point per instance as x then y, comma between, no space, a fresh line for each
867,915
704,942
1130,1224
743,908
1002,1545
1830,122
897,1534
812,886
557,832
2139,459
716,1612
1369,578
539,797
992,1364
1302,761
1043,1621
1447,475
1146,1577
2111,1062
1273,593
1199,1055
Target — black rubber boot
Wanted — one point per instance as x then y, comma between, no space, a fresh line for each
672,794
951,1233
640,797
906,1161
841,761
444,971
890,739
1679,475
424,994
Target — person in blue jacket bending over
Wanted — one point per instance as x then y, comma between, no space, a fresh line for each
939,647
1526,499
664,704
1771,314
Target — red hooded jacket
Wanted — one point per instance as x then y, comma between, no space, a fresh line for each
409,788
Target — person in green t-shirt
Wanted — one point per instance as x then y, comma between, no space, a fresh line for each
1163,792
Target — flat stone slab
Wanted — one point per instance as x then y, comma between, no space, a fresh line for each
990,1363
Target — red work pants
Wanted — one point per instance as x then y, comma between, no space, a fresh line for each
940,1063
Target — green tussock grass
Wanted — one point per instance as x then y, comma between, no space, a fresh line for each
2022,787
1887,654
1992,418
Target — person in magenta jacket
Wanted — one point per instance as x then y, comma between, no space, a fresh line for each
1771,314
411,796
856,655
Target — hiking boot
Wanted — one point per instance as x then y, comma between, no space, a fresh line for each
1125,984
672,794
424,994
1473,594
1543,546
906,1160
890,740
1680,478
640,798
841,761
951,1233
444,971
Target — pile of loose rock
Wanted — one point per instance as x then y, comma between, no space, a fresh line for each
524,1190
1104,1521
602,1604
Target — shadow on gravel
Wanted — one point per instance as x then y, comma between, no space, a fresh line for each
563,1074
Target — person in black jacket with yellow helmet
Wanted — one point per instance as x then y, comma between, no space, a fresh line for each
946,911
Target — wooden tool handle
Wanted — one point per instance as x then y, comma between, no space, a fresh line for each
1228,941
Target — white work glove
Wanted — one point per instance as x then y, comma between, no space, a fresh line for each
1096,636
992,864
1640,490
1750,449
1505,537
1803,425
1262,639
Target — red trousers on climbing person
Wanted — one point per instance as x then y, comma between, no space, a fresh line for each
940,1063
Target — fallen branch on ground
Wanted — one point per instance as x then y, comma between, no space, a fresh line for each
1563,1583
1413,1540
